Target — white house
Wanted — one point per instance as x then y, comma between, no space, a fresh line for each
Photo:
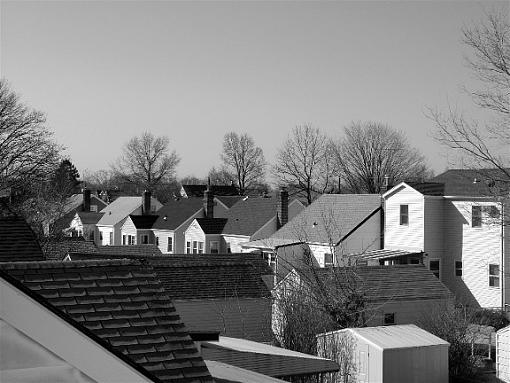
464,239
503,354
137,230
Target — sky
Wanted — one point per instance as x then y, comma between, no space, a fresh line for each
105,71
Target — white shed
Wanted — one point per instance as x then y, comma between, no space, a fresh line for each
387,354
503,354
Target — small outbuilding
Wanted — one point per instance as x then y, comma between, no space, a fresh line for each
503,354
388,354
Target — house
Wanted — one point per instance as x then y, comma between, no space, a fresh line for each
503,354
387,354
332,227
188,191
87,321
249,219
84,224
116,213
17,240
176,215
137,230
464,238
392,294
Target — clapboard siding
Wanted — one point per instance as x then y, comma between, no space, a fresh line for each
194,233
503,354
105,232
129,229
247,318
404,237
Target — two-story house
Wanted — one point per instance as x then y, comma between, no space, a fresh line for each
464,237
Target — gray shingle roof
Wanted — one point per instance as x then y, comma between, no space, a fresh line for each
174,213
249,215
17,240
143,221
329,218
212,225
198,190
123,305
461,182
120,209
57,250
130,250
88,217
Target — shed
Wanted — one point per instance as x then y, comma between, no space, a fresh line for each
503,354
389,354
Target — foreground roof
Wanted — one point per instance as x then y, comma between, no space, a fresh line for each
175,212
474,182
121,305
132,251
17,240
330,217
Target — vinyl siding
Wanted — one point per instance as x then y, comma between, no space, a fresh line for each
405,237
105,230
129,229
503,354
163,241
194,233
318,252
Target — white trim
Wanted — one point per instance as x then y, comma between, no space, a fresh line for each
38,323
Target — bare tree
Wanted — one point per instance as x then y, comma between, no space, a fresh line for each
28,153
483,144
221,176
242,158
304,161
370,152
147,162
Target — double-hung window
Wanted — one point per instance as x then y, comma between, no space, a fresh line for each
328,260
188,247
476,216
170,245
458,268
389,318
435,267
214,247
195,247
200,247
404,214
493,275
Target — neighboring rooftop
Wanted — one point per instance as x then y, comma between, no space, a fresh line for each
143,221
132,251
74,202
88,217
17,240
198,190
428,188
57,250
121,305
474,182
229,201
121,208
175,212
212,225
330,217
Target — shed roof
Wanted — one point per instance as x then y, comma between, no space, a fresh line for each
119,304
330,217
17,240
396,337
175,212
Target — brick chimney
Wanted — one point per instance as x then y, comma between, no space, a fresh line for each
146,202
209,201
282,207
86,199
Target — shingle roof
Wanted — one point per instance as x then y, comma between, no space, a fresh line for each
89,218
229,201
428,188
384,283
212,225
174,213
143,221
120,209
461,182
330,217
120,304
58,250
130,250
75,201
249,215
198,190
17,240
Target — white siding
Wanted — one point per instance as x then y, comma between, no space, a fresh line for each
194,233
105,232
406,237
76,224
128,228
318,252
235,242
163,236
503,354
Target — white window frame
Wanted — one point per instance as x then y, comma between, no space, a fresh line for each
157,240
456,268
111,238
406,215
170,244
494,276
188,247
214,249
142,237
93,208
439,267
200,247
124,239
477,216
329,264
195,247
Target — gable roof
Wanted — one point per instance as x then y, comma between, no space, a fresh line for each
143,221
119,304
198,190
175,212
229,201
130,250
249,215
17,240
57,250
330,218
121,208
212,225
89,217
382,283
474,182
75,201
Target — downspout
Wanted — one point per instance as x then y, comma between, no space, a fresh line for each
503,284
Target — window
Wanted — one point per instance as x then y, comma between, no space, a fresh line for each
493,275
157,241
93,208
404,214
389,318
123,239
476,216
111,238
434,266
200,247
170,245
188,247
328,260
229,250
195,247
271,260
214,247
100,235
145,239
131,239
458,268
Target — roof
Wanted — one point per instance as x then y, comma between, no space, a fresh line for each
198,190
383,283
229,201
269,243
143,221
265,359
119,304
397,337
88,217
384,254
17,240
224,373
212,225
474,182
175,212
120,209
76,200
247,216
330,217
57,250
428,188
130,250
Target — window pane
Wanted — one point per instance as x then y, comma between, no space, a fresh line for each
328,259
494,270
404,214
458,268
476,216
389,318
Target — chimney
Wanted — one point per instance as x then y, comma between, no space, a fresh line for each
146,202
86,199
385,185
209,201
282,207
